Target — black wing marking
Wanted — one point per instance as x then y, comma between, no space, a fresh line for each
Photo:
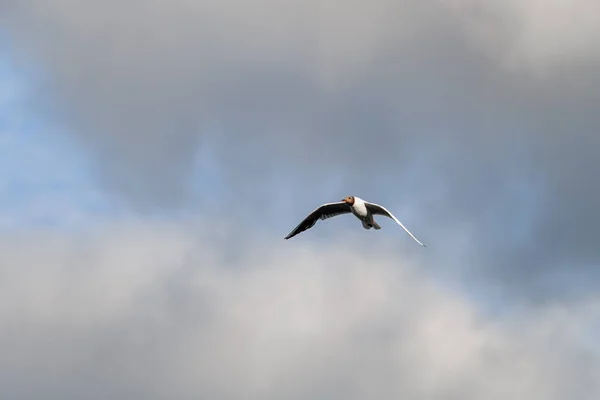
323,212
376,209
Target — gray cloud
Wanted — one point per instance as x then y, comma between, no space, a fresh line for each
473,115
155,311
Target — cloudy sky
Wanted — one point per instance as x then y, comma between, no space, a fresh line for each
153,155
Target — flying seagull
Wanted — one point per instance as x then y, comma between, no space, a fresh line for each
363,210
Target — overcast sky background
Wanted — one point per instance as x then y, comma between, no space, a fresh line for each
153,155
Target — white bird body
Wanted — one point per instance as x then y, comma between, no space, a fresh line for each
363,210
359,208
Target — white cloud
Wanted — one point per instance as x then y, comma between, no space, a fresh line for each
539,36
156,311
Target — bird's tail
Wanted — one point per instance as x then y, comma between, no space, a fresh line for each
370,225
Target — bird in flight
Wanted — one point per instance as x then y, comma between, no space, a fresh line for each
363,210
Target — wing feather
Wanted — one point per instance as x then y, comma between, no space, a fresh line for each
322,212
376,209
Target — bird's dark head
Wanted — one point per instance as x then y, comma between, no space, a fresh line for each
349,200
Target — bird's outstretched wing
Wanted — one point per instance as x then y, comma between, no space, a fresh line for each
376,209
323,212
